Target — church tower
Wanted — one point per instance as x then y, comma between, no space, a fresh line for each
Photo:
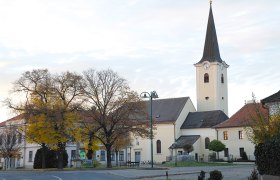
211,73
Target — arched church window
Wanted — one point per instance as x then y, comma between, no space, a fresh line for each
222,78
158,146
207,141
206,78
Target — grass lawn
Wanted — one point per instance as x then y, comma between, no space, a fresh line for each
191,164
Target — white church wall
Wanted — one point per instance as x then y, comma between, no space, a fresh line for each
189,107
165,134
203,153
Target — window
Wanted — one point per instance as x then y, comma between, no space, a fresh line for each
30,156
1,139
240,134
19,138
207,141
73,154
222,78
8,139
102,156
225,133
241,151
14,139
158,146
113,156
121,156
226,152
206,78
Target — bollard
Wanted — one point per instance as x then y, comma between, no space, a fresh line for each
166,174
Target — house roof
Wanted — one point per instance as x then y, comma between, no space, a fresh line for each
16,118
204,119
184,140
244,116
211,51
273,98
166,109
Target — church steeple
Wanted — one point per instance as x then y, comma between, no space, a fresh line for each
211,51
211,73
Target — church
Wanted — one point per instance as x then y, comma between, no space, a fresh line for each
177,122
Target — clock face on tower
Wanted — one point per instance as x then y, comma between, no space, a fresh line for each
206,65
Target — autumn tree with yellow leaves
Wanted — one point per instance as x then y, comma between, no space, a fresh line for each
98,107
51,105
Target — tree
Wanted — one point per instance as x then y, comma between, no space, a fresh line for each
35,86
121,143
51,106
265,134
216,146
9,146
268,156
114,108
261,126
51,159
188,148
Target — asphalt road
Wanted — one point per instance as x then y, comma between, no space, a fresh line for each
235,172
56,175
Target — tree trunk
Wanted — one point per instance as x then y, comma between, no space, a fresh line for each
44,148
89,154
61,148
109,160
117,160
60,159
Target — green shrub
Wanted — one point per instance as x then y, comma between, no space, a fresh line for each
51,159
215,175
268,157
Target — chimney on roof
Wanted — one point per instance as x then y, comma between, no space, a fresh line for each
250,101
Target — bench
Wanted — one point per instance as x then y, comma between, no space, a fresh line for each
130,164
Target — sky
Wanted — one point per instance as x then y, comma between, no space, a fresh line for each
153,44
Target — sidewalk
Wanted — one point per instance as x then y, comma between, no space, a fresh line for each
236,172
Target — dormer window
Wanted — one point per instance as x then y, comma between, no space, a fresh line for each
206,78
222,78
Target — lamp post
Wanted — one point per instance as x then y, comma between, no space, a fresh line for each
152,95
174,147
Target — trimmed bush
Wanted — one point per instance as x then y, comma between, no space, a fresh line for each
215,175
268,157
51,159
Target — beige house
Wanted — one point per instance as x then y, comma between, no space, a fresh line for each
235,132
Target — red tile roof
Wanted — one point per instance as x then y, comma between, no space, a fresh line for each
16,118
244,116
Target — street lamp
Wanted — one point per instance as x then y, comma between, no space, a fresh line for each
175,147
152,96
